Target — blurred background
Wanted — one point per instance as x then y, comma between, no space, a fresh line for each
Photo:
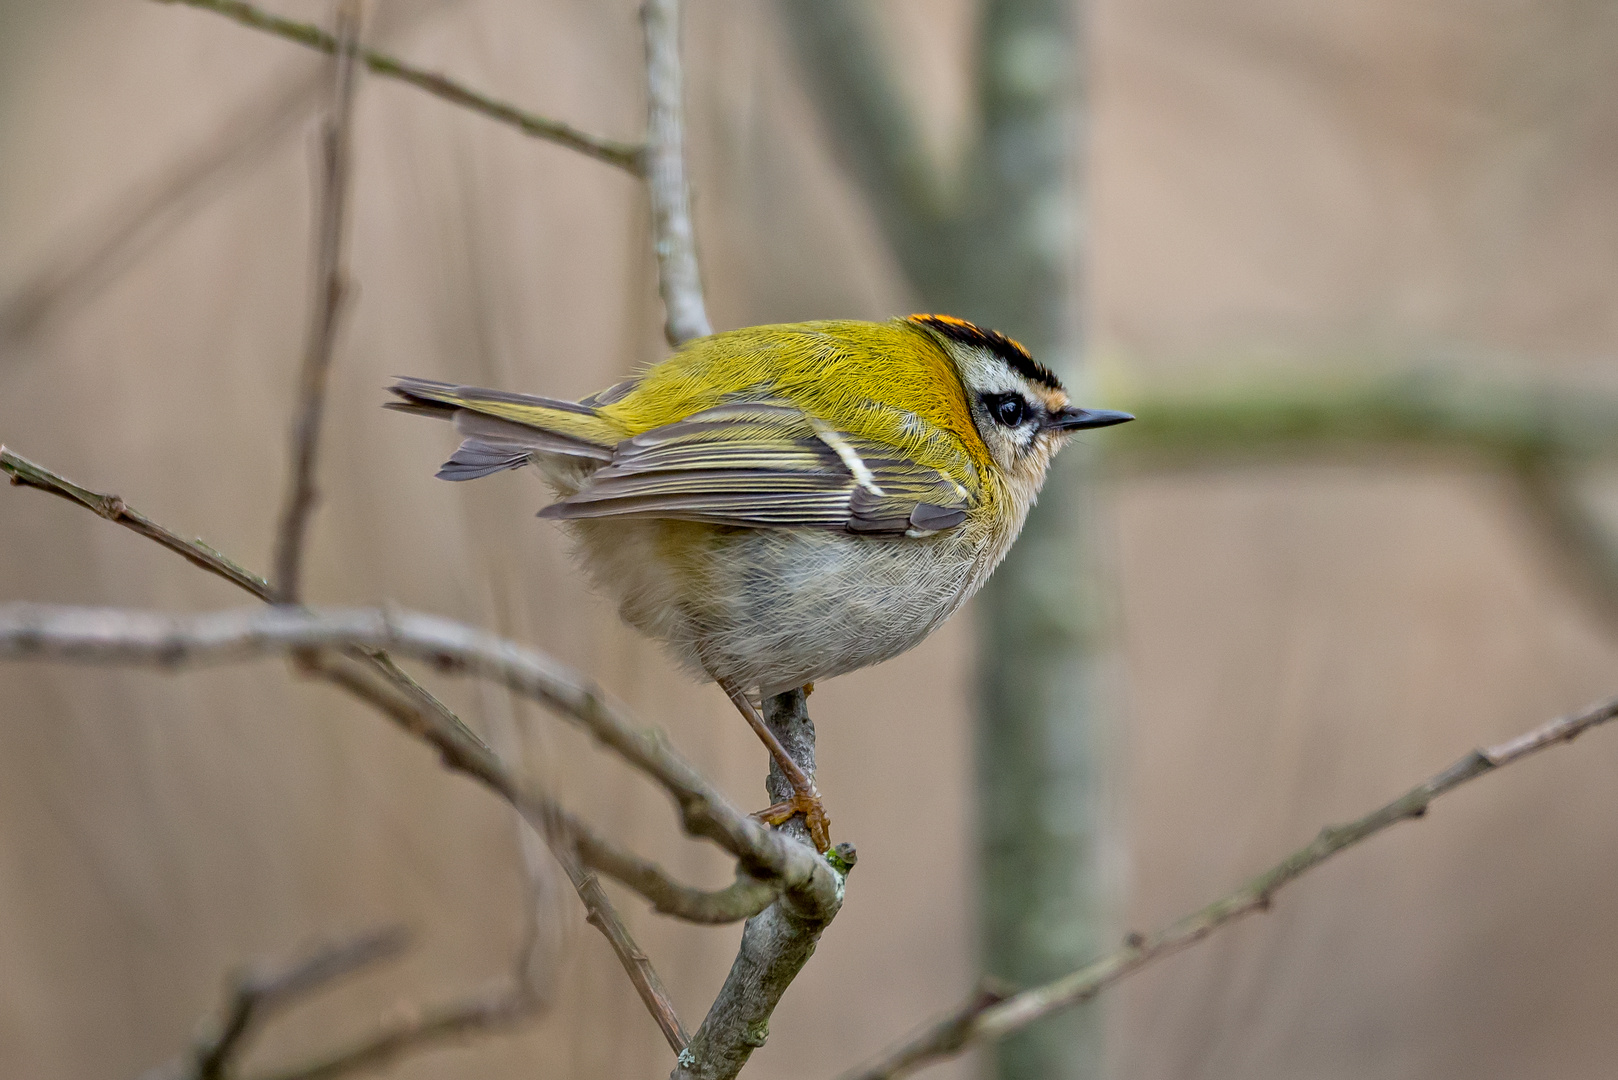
1277,201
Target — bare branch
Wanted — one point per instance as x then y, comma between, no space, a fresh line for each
564,834
80,264
25,473
636,964
331,292
623,155
109,635
477,1014
673,237
777,942
255,995
973,1023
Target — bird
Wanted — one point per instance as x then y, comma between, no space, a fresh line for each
781,504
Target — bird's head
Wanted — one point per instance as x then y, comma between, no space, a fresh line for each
1019,406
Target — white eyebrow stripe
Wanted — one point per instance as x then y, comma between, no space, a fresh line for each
847,455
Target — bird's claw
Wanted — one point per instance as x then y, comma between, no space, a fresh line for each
813,810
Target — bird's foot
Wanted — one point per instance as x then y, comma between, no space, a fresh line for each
806,802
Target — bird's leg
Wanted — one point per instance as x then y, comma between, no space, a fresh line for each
805,798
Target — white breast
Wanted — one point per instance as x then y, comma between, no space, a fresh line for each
773,609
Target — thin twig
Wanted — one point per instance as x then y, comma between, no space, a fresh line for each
635,963
673,236
254,996
973,1023
623,155
571,841
89,257
474,1015
331,292
25,473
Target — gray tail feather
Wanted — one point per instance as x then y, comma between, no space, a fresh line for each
424,397
492,429
476,459
491,444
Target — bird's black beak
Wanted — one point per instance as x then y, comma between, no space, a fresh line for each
1072,418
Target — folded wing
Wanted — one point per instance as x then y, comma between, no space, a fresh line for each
767,465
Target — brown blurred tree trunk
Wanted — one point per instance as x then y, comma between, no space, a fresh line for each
998,243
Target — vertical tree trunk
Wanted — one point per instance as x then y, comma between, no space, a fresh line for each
1040,712
1005,254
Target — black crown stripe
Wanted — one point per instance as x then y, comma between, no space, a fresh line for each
1008,349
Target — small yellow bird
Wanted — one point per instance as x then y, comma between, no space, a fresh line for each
782,504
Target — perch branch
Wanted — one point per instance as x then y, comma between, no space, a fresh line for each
331,293
673,237
976,1022
624,155
778,941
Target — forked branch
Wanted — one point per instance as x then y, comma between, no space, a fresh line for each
331,294
372,676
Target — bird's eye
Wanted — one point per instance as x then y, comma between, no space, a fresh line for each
1011,410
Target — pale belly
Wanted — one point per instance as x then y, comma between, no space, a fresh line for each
775,609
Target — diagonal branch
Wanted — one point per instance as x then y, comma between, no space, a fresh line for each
624,155
978,1021
78,265
256,995
673,236
871,125
111,635
331,292
492,1010
25,473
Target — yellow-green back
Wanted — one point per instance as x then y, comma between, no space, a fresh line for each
889,382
